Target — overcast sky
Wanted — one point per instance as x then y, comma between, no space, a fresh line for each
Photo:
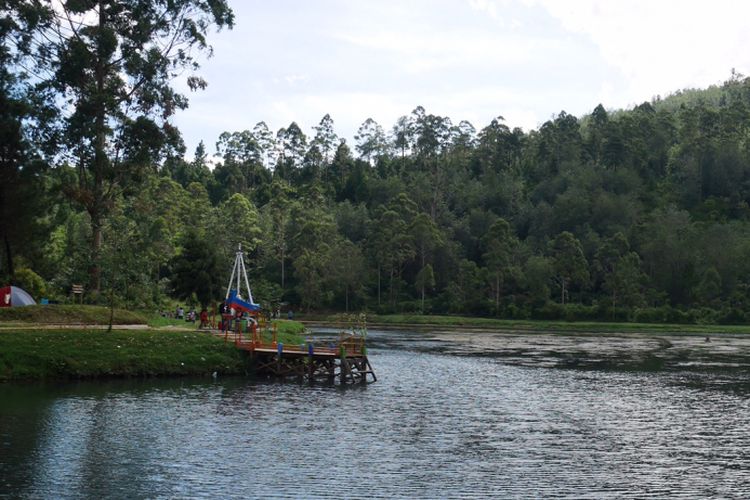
525,60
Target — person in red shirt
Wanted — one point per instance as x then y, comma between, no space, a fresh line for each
204,318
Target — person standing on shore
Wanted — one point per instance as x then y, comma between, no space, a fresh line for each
203,318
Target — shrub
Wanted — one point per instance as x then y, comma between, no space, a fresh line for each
31,282
651,314
732,316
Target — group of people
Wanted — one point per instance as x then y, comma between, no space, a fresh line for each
191,316
224,311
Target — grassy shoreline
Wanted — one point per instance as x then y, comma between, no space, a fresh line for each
532,326
70,314
54,354
35,350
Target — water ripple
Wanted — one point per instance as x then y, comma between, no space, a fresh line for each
434,426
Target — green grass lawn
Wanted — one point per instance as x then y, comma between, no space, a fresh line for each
290,332
46,354
29,349
69,314
157,321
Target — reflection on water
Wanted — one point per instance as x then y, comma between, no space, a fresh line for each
433,426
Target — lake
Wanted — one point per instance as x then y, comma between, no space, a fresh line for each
443,421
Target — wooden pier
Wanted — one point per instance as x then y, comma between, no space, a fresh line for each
344,362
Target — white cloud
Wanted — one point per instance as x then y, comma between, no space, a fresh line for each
292,80
661,46
523,59
427,51
487,6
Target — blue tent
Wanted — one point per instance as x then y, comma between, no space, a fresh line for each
12,296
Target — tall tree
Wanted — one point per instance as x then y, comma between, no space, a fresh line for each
346,269
426,238
402,135
568,262
619,270
325,138
237,222
187,172
266,141
500,242
113,62
196,270
425,280
275,220
24,114
372,143
391,242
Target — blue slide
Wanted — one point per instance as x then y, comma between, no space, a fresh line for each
237,303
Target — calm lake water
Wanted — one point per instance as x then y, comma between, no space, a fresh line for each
435,425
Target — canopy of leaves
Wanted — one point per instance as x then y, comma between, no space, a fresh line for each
640,214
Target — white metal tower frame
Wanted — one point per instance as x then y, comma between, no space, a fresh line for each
239,270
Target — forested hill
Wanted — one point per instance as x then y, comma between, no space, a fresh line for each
638,214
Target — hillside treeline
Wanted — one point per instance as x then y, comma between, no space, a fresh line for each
639,214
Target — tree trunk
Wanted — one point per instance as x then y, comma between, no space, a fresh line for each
562,291
95,271
99,165
8,256
111,305
497,293
614,303
4,231
390,289
379,283
435,191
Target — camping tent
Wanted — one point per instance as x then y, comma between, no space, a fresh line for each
12,296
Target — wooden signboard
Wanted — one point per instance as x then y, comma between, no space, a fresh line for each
77,290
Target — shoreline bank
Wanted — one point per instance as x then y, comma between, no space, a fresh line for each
468,324
37,352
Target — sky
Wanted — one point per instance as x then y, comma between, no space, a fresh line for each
475,60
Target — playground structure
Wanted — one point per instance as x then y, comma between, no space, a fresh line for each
234,297
253,332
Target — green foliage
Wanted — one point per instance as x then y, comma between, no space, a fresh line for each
499,244
197,271
639,214
31,282
568,263
111,65
425,281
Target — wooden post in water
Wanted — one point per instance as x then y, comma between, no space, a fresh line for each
344,372
311,362
280,350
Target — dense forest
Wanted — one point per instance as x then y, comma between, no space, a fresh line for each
640,214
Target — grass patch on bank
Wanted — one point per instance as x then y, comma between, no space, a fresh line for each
542,325
69,314
53,354
290,332
162,322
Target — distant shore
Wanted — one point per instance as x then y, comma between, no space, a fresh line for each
421,322
596,348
